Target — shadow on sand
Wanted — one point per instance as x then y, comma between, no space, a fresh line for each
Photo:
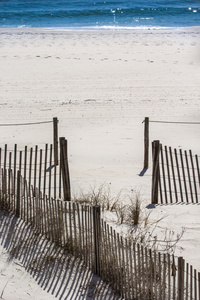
55,271
143,172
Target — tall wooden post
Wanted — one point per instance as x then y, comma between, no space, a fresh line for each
5,171
181,265
97,236
65,169
55,140
156,172
18,195
146,143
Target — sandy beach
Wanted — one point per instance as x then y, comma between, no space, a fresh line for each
101,85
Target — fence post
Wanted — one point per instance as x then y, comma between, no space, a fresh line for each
65,169
155,173
55,140
146,143
181,264
18,195
97,235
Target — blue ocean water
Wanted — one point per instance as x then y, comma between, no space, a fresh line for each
95,14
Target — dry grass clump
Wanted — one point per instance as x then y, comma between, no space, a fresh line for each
141,229
134,210
99,196
129,211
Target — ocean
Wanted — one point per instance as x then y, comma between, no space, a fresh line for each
95,14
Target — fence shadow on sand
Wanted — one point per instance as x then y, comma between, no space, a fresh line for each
53,269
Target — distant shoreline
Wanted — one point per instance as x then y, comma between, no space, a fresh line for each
100,30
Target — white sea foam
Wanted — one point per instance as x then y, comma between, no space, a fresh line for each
112,28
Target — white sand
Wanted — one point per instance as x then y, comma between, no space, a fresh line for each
101,85
33,268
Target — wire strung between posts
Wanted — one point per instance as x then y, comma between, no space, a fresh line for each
21,124
174,122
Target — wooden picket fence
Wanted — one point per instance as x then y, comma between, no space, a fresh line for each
42,176
176,175
134,271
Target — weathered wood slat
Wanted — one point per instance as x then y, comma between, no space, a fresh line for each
173,173
155,277
66,224
143,278
30,170
135,270
123,268
163,173
1,173
120,265
150,263
79,231
187,282
164,277
198,171
128,272
146,272
116,261
189,178
193,173
155,172
60,221
195,284
113,258
178,172
139,269
50,166
63,241
168,174
174,278
5,170
15,173
91,237
83,232
9,181
110,256
46,214
38,192
75,231
60,176
191,282
27,200
105,259
25,183
160,276
70,227
55,181
131,270
183,173
67,170
45,168
169,276
35,170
